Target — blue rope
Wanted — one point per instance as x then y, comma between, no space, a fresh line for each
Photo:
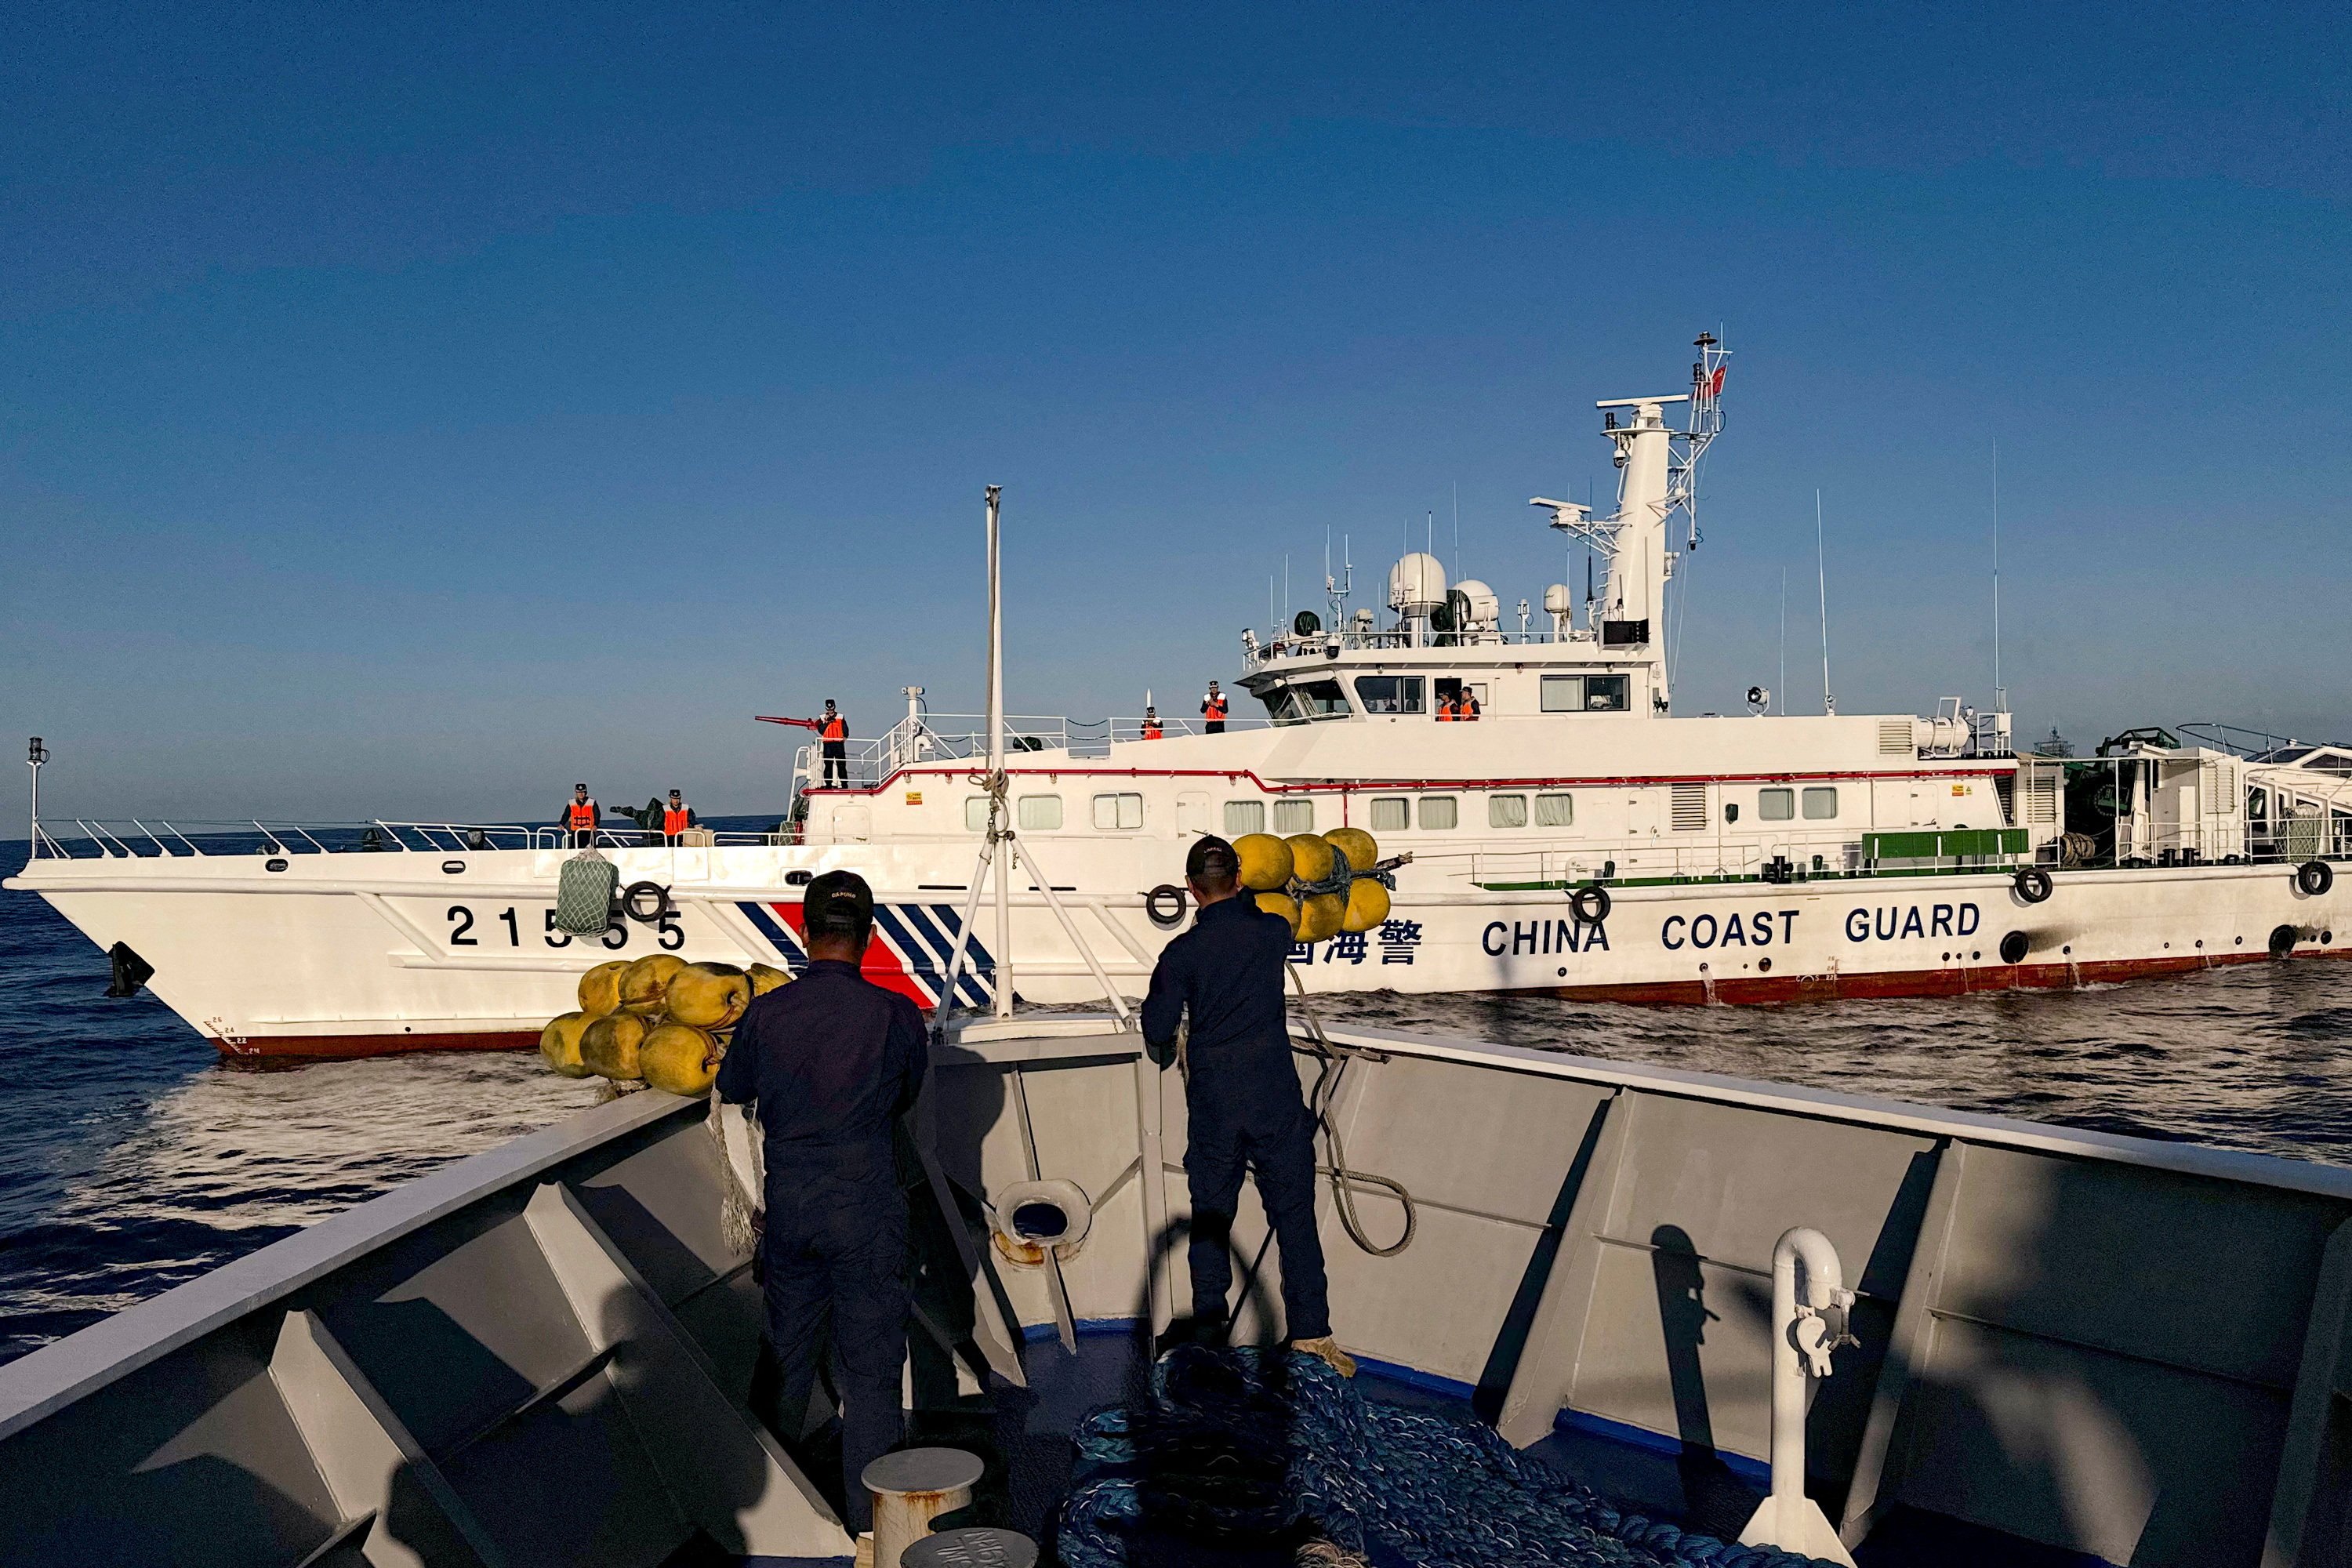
1251,1448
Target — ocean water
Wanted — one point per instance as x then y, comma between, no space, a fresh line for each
132,1159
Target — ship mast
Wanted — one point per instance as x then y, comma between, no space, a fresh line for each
1658,477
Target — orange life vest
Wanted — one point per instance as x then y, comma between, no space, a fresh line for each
1214,708
1151,728
1445,709
581,815
836,729
1467,711
675,819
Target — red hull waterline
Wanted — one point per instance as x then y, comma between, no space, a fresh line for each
1743,991
346,1047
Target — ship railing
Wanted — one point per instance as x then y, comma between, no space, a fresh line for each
1289,645
134,838
936,737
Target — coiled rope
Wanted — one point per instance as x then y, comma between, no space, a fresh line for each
1252,1447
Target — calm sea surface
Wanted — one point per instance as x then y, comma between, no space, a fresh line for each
130,1160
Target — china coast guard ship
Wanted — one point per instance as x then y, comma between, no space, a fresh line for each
1578,838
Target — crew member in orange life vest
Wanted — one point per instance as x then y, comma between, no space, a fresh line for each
676,817
1212,709
1152,731
580,816
1445,711
834,731
1465,710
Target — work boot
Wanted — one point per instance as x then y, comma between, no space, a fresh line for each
1326,1350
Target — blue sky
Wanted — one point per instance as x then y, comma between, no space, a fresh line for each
406,414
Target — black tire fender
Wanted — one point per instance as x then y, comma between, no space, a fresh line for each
2032,884
2315,877
1165,906
1589,904
646,902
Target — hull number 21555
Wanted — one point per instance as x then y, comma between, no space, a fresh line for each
504,928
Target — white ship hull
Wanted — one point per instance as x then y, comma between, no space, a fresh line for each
350,955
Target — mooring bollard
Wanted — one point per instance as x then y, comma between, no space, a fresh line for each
977,1547
911,1488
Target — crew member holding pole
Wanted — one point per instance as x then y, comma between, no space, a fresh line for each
833,1061
1241,1098
676,817
580,817
834,731
1151,728
1212,710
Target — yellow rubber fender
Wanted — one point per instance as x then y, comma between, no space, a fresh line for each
1264,862
609,1045
560,1043
645,985
599,988
670,1058
708,996
1361,848
1281,904
1310,857
1368,905
766,977
1320,916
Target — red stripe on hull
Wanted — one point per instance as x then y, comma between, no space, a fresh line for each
1883,985
345,1048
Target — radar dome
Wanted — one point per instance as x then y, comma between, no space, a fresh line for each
1417,583
1555,600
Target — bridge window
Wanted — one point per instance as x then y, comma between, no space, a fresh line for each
1306,703
1507,811
1440,812
1245,816
1389,693
1293,816
975,813
1118,810
1820,803
1388,814
1776,804
1607,693
1554,811
1039,813
1563,694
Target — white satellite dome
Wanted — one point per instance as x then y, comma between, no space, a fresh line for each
1417,583
1557,601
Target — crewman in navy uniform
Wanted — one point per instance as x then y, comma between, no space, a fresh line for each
1212,712
834,731
833,1061
1241,1098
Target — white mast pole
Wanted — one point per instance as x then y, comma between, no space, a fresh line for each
999,827
1822,563
2000,696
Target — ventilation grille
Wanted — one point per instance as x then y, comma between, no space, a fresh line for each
2042,801
1895,737
1690,808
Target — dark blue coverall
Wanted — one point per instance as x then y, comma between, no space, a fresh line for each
833,1061
1242,1101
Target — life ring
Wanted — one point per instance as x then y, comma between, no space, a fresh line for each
2315,877
646,902
1165,905
1589,904
2032,884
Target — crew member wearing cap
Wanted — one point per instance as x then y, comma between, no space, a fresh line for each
1241,1094
1214,709
580,817
833,1061
676,817
834,731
